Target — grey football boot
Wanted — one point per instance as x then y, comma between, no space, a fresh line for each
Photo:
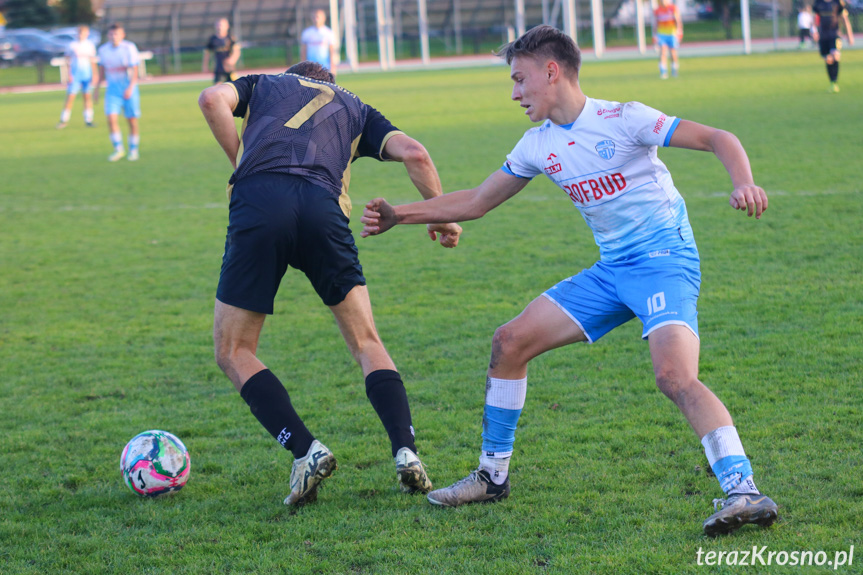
738,510
475,488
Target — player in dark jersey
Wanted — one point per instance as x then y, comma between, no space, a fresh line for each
226,51
289,206
828,15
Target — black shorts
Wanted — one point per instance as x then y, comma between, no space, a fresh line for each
220,76
827,44
276,221
804,33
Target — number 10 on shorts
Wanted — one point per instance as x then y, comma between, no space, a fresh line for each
656,303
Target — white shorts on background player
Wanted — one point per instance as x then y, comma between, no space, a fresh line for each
606,164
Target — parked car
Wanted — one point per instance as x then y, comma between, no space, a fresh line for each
34,46
763,10
69,34
8,48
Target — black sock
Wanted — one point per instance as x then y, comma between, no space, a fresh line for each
386,392
269,401
833,71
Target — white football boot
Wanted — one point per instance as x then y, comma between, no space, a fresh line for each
411,473
308,472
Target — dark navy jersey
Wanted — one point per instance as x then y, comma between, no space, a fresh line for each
307,128
221,48
829,12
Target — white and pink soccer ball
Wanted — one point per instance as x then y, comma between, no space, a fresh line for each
155,462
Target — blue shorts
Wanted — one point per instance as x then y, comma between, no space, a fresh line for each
279,220
77,85
660,288
670,40
115,103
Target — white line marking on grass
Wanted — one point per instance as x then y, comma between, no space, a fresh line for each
112,208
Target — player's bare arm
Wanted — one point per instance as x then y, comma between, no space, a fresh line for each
133,81
746,195
217,103
848,31
461,206
231,60
423,174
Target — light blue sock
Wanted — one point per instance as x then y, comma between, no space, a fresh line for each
504,400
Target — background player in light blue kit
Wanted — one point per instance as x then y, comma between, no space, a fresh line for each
318,43
602,154
81,64
118,64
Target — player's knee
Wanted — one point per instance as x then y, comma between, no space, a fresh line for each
829,59
506,343
226,353
674,384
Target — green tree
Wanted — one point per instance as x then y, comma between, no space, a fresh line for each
75,11
26,13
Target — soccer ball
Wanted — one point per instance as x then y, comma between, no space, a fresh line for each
154,463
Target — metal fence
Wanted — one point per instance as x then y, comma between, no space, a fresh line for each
387,30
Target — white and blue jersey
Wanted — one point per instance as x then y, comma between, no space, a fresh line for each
318,42
117,62
606,164
81,54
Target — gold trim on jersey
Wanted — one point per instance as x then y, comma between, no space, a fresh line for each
230,188
384,143
344,198
237,103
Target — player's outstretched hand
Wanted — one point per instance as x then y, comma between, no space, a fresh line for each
750,198
449,234
378,217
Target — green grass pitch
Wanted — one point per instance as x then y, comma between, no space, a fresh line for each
107,279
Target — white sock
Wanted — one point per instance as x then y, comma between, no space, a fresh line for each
497,467
728,460
64,116
88,115
117,140
745,486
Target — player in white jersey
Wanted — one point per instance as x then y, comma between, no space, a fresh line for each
118,64
318,44
603,156
81,65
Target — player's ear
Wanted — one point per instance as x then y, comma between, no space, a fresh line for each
552,71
